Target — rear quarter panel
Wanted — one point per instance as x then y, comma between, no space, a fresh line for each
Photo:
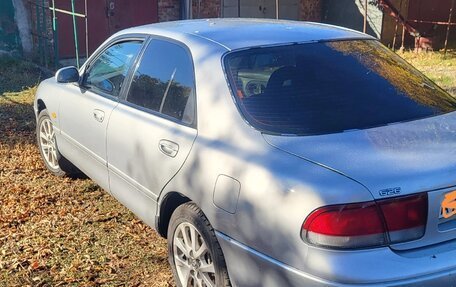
278,190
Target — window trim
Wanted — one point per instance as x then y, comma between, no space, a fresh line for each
122,38
127,85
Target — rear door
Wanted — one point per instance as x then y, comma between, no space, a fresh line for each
153,128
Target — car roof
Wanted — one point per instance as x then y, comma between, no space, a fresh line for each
238,33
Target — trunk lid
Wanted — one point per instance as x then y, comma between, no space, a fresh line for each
394,160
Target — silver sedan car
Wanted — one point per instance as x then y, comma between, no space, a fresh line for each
268,153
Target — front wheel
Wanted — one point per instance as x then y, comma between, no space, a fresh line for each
194,253
49,151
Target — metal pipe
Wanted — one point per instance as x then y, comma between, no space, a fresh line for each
403,39
75,34
68,12
448,27
395,36
397,26
86,29
44,31
432,22
365,17
56,39
277,9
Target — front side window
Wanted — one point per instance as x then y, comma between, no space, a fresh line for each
164,82
107,73
329,87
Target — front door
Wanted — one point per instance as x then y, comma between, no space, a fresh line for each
85,109
152,130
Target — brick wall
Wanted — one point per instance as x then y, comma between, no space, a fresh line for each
206,9
310,10
168,10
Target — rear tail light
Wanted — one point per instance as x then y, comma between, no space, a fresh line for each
405,217
368,224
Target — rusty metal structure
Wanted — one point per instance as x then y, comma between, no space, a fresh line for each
72,29
420,29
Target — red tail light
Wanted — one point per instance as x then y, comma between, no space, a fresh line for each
367,224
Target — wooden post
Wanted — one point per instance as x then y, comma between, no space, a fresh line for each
448,27
365,17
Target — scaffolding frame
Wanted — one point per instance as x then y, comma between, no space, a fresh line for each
41,30
73,14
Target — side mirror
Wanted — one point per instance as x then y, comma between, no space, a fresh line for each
67,75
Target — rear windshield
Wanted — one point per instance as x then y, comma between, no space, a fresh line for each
329,87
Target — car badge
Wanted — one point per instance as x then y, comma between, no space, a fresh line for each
390,191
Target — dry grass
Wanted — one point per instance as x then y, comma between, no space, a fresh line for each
58,231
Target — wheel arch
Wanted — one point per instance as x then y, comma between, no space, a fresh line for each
168,205
40,106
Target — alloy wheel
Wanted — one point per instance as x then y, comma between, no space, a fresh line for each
47,143
192,258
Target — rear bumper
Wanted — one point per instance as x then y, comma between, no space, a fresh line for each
248,267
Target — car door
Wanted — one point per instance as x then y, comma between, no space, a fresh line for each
85,108
152,130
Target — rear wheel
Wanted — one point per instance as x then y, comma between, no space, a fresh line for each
49,151
194,253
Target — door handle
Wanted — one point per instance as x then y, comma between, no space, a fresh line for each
168,147
98,115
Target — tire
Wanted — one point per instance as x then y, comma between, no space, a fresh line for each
47,144
208,267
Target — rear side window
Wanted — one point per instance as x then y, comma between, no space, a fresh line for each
164,82
329,87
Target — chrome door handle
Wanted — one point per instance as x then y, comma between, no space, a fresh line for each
98,115
168,147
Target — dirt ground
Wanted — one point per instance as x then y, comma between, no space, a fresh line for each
65,232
